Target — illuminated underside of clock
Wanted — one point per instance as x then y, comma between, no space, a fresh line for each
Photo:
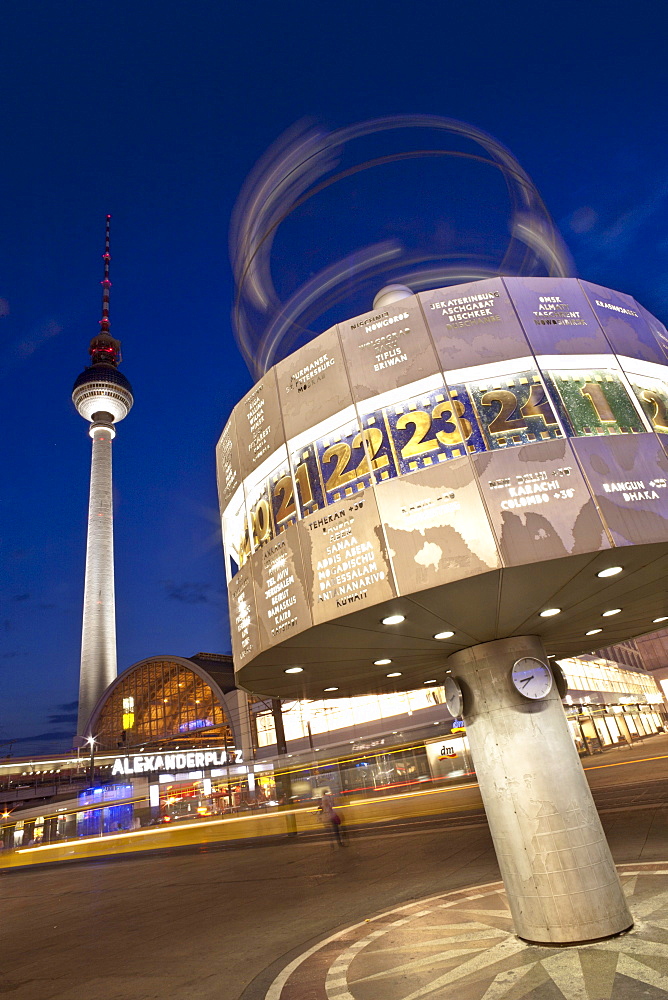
471,475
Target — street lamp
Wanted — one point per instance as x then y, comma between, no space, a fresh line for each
90,740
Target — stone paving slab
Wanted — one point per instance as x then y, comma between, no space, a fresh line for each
462,944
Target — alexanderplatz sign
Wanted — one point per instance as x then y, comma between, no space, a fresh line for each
439,483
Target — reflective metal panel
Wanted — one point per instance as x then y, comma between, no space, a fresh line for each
227,464
513,409
281,489
556,316
259,514
652,394
437,527
343,462
387,348
629,477
346,563
312,383
594,401
306,473
236,537
626,329
473,324
657,328
282,606
430,428
539,503
258,423
243,617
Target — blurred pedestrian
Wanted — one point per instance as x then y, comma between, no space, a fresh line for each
330,817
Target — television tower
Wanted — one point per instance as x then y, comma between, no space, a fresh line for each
103,396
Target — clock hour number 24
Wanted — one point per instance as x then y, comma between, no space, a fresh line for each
537,405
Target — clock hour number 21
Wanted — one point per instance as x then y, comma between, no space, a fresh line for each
285,490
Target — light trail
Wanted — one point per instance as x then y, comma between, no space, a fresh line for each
369,812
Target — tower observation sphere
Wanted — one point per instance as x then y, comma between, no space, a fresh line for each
103,396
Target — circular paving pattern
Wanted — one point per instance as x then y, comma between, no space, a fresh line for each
461,944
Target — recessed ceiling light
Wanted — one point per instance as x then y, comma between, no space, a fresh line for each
381,663
593,631
664,618
613,611
395,674
331,689
293,670
610,571
444,635
549,612
393,619
432,681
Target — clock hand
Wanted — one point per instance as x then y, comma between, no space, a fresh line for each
526,680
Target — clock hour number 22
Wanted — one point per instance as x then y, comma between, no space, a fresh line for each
342,453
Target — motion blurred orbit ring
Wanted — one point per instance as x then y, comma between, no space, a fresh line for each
294,170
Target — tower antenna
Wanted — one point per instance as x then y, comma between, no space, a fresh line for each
106,283
104,349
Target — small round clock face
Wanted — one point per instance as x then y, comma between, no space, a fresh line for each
453,697
532,678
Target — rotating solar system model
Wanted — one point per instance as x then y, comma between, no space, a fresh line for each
454,488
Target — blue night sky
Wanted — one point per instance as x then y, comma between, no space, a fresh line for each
156,113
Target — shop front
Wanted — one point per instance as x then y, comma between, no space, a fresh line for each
595,727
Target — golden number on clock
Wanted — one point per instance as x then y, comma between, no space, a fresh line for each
660,415
461,433
374,439
417,445
244,546
538,405
304,484
286,490
261,522
598,400
342,453
508,402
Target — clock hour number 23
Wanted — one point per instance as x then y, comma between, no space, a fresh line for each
419,443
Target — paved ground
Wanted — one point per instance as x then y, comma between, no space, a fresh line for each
462,943
225,923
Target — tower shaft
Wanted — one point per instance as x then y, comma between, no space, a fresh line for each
103,396
98,636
